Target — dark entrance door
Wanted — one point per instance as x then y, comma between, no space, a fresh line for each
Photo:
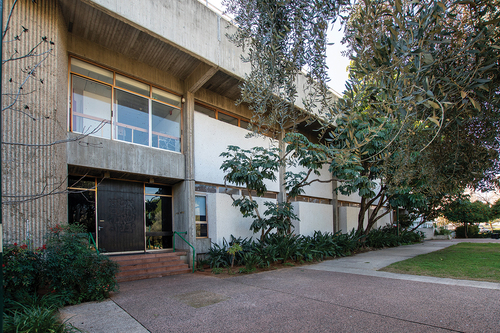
120,212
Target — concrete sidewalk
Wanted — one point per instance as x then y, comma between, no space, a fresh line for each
344,295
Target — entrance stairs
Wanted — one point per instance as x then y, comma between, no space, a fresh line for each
150,265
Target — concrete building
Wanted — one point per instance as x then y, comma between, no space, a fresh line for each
136,104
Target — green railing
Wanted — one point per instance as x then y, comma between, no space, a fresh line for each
92,241
194,251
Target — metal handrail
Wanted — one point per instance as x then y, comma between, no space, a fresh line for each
91,240
194,251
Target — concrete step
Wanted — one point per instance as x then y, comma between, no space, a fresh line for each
140,261
152,275
150,265
141,256
146,269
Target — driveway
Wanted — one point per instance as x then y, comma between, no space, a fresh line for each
343,295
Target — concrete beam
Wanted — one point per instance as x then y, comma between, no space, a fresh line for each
199,77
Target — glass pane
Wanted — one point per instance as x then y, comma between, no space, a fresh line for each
228,119
158,216
155,242
200,208
201,230
166,97
165,190
131,118
79,182
233,191
202,109
132,85
91,107
98,73
81,209
244,124
205,188
153,213
166,127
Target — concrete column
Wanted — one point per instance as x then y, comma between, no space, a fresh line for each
282,170
184,218
336,224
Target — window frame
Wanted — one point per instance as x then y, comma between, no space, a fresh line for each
114,113
203,195
217,111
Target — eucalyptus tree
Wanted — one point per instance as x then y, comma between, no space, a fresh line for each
284,41
434,66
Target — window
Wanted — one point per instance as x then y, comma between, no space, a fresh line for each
200,212
112,106
81,202
222,116
158,217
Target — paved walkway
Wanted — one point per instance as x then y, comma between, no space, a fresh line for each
342,295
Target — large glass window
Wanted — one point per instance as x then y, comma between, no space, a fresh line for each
113,106
131,118
158,209
200,212
81,202
166,128
91,107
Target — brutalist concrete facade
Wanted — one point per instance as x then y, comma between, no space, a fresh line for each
179,46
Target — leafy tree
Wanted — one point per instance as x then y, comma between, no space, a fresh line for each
495,210
252,168
466,212
281,39
420,112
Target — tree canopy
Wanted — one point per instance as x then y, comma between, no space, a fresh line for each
419,119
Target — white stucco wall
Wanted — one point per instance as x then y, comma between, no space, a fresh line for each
225,220
313,217
317,189
348,218
211,138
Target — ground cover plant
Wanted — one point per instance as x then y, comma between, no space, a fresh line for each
65,268
292,249
468,261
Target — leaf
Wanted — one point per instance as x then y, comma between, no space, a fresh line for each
475,103
434,104
434,119
463,94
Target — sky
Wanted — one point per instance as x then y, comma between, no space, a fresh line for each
337,64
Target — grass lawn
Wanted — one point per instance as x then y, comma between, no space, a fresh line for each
467,261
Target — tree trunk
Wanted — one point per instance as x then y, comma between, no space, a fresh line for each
361,215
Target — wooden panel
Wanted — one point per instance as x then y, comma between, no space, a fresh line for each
120,211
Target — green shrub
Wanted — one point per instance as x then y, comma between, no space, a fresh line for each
442,232
348,242
218,255
251,260
66,265
382,237
35,315
275,247
472,231
22,270
74,270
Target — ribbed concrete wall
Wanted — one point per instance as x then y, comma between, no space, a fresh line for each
34,177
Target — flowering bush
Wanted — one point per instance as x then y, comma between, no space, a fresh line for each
66,265
22,270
